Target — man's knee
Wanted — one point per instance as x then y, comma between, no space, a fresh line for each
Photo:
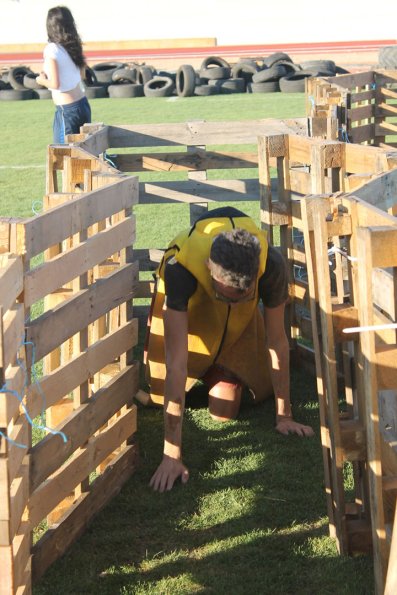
224,400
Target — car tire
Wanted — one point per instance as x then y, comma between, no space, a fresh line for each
41,93
159,86
206,90
274,73
16,76
185,80
144,75
125,90
96,91
266,87
126,75
16,94
268,61
105,70
294,83
388,57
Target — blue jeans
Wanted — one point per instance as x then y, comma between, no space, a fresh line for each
68,119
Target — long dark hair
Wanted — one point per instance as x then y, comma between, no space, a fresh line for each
61,29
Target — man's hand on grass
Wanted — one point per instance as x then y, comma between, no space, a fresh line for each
167,472
286,425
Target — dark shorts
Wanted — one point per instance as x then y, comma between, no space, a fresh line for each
68,119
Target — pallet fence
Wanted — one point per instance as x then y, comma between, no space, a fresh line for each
80,280
364,106
76,281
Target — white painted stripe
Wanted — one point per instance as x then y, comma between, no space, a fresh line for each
22,166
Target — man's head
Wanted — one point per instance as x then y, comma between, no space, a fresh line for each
234,259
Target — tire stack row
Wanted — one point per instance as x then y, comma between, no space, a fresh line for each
20,83
271,74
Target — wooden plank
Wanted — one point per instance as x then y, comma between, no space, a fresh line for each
49,493
388,93
362,134
19,495
201,132
13,334
363,112
96,142
63,321
67,377
384,247
386,358
385,128
52,227
51,452
195,191
381,191
9,404
361,159
16,454
367,341
56,540
347,81
198,160
385,110
391,578
21,551
11,280
72,263
7,570
362,96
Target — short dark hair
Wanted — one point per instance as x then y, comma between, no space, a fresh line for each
234,258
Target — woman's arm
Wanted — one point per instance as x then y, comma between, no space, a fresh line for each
50,80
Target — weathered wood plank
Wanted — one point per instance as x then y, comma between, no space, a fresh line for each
384,247
72,263
50,228
347,81
201,133
9,404
58,538
60,323
51,492
11,280
13,334
363,112
67,377
386,370
190,161
51,452
361,134
194,191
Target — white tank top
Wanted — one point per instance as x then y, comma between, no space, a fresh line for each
69,73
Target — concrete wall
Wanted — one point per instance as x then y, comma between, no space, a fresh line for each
229,21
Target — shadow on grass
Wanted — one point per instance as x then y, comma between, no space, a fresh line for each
252,517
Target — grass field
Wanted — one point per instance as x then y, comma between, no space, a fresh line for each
252,518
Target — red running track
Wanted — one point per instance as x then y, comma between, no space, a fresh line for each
224,51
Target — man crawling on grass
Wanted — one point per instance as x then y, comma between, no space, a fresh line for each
207,323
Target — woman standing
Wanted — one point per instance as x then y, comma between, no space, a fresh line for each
64,63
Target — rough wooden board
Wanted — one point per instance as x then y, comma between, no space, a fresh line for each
58,538
201,133
49,493
64,379
9,404
59,324
72,263
195,191
54,226
13,334
386,370
51,451
95,141
391,577
19,496
384,247
189,161
365,265
11,280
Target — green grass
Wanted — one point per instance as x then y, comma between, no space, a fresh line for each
252,518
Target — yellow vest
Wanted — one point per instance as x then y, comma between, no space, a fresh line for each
217,333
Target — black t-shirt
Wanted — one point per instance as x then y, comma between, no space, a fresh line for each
180,284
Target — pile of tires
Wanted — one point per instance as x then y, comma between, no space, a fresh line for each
270,74
19,83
